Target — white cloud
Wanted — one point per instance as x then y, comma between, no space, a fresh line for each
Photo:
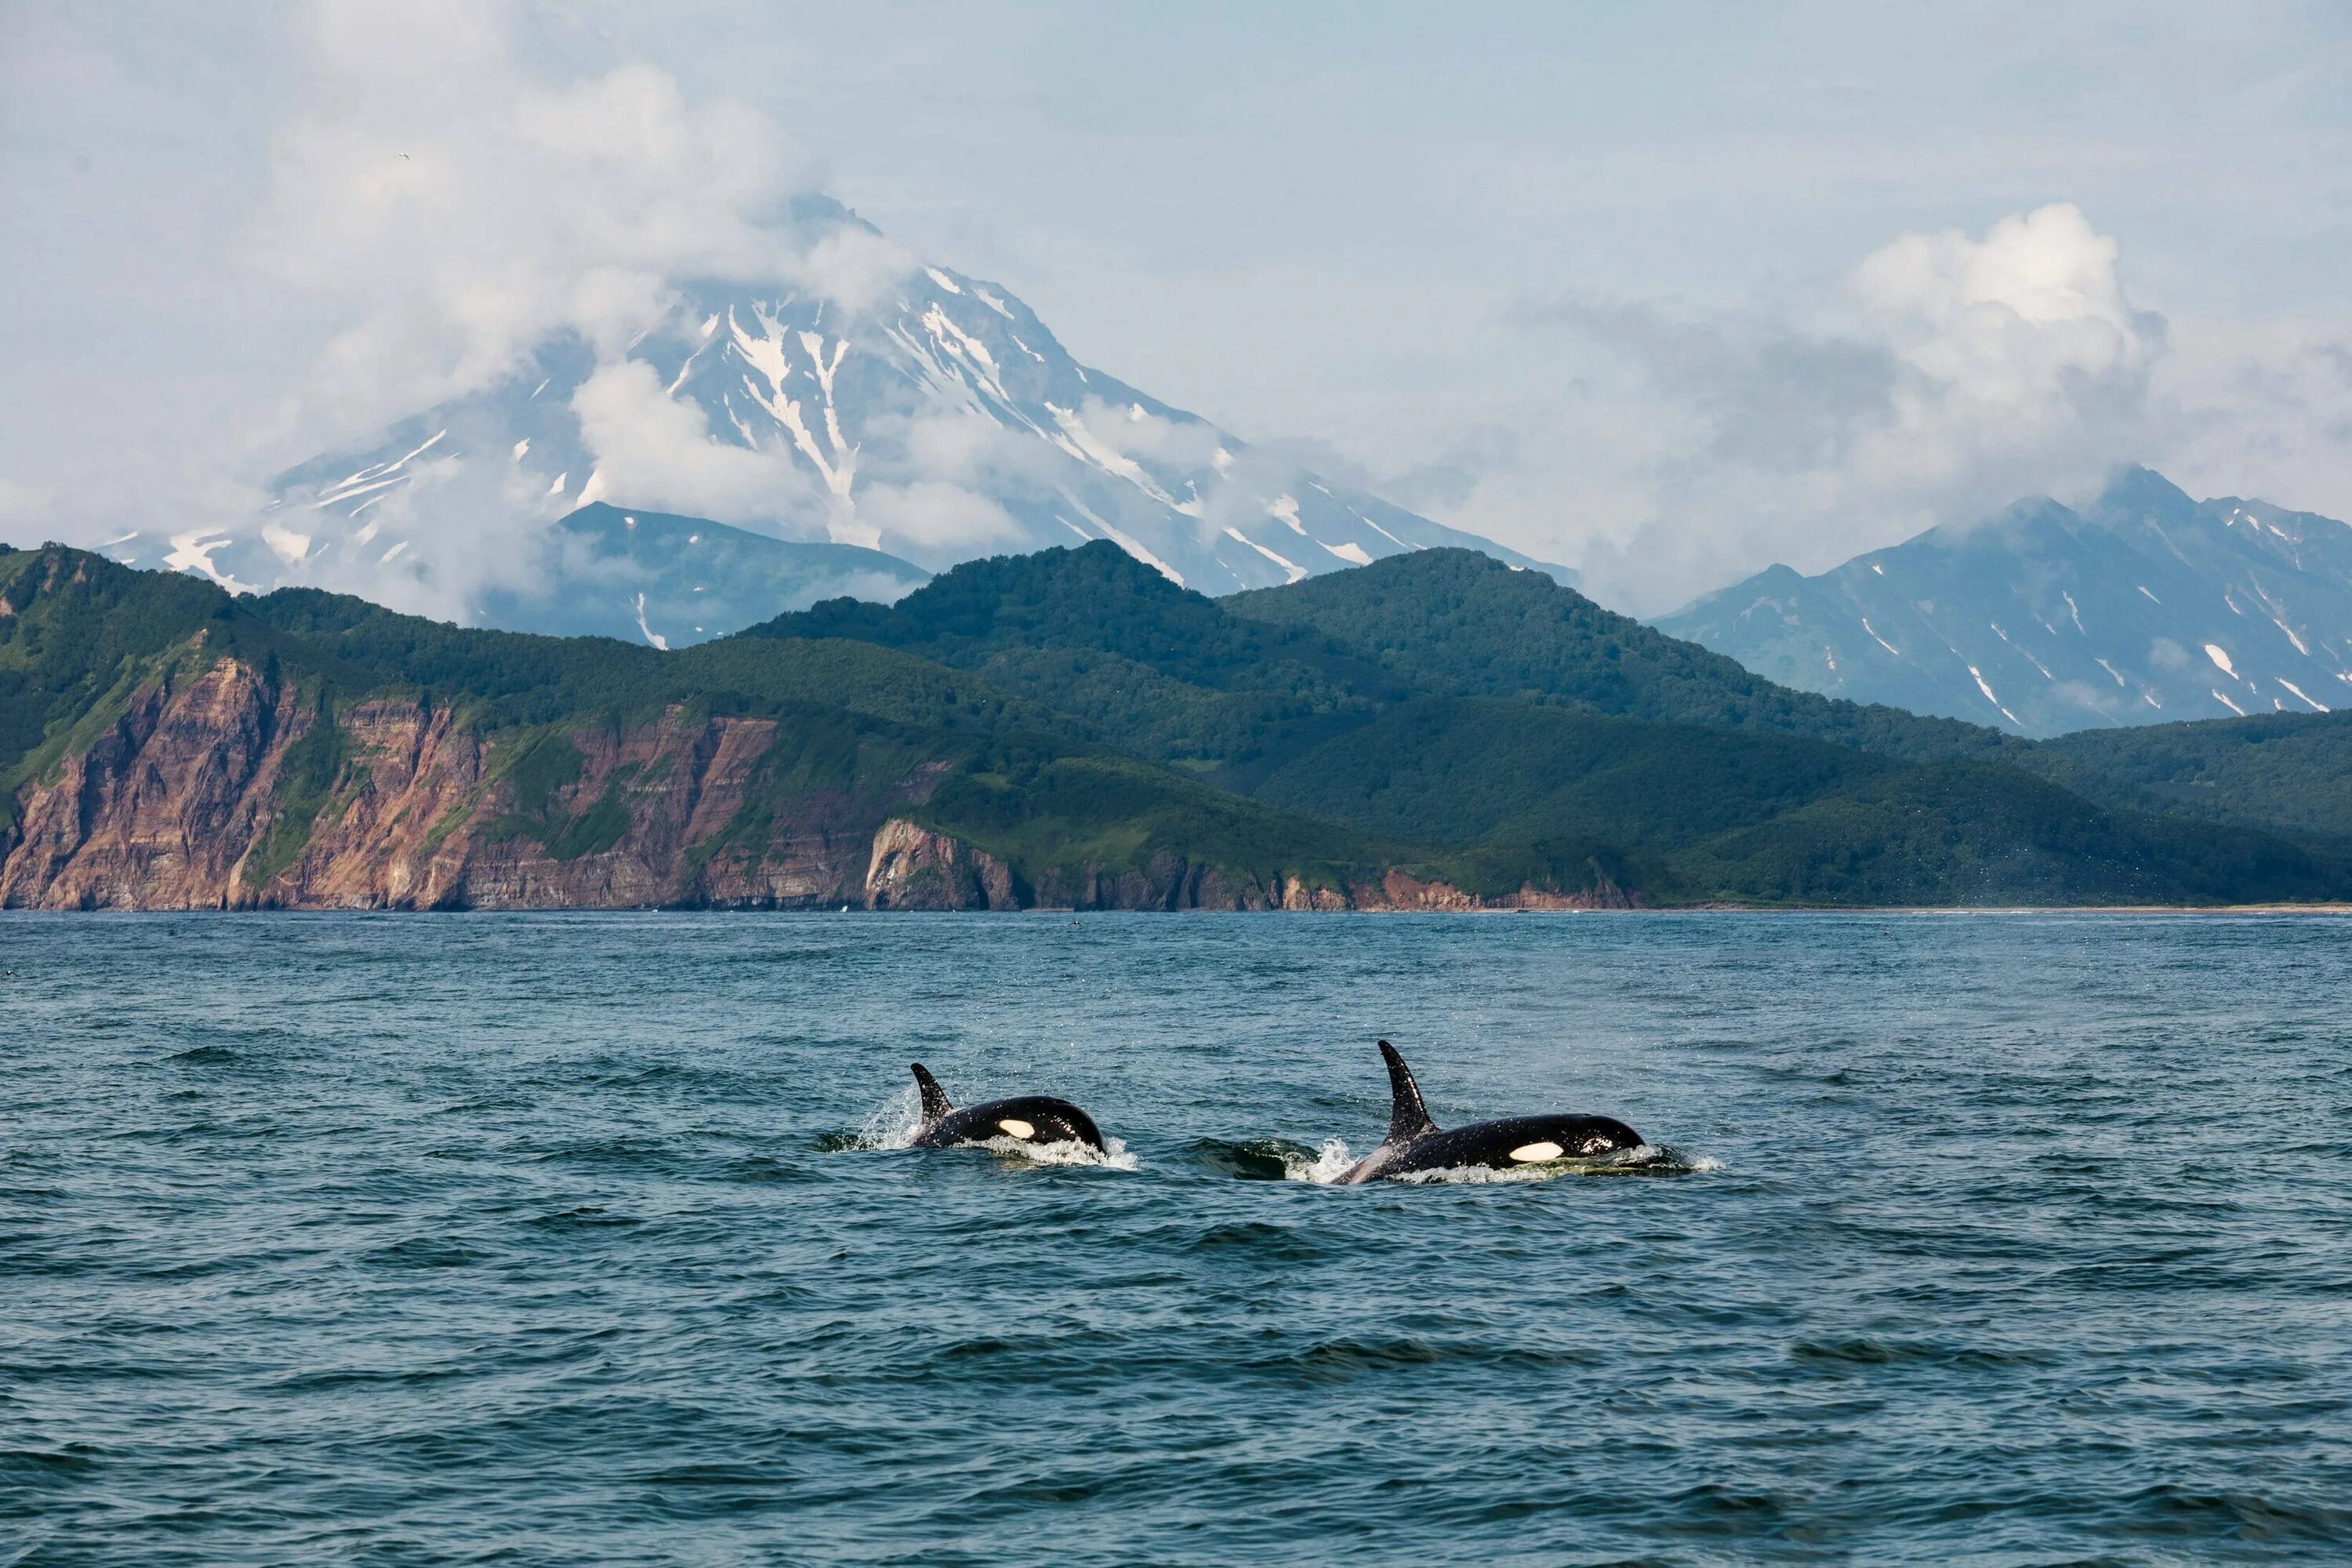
434,201
2002,338
457,208
930,501
458,527
2260,408
962,447
1134,431
1948,376
655,451
235,267
932,522
854,268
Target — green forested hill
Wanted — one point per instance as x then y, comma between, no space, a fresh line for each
78,635
1711,814
1458,622
2285,771
72,627
1098,635
1435,713
1461,770
517,677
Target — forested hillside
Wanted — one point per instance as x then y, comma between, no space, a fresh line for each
1069,728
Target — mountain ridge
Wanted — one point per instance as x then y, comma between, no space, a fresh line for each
165,744
2143,606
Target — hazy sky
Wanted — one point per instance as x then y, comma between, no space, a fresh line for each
1665,291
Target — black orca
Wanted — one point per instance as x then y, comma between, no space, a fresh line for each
1415,1143
1038,1119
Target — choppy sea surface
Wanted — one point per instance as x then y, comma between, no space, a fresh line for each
557,1238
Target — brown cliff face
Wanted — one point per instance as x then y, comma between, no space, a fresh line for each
913,868
184,803
916,867
158,810
217,788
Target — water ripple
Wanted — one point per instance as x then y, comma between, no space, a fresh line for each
2007,1241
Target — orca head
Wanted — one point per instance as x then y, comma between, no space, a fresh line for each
1045,1118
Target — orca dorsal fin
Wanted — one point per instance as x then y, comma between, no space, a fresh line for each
1408,1118
935,1104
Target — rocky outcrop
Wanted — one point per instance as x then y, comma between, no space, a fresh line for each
157,810
1170,882
913,868
215,787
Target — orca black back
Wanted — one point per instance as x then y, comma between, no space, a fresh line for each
1415,1142
1034,1119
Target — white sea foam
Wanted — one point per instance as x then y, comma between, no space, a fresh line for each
1483,1175
1113,1156
893,1123
1326,1166
1642,1159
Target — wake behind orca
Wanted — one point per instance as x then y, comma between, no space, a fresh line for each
1037,1119
1415,1143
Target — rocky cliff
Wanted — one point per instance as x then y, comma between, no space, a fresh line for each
218,785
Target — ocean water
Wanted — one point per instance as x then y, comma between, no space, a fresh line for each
555,1238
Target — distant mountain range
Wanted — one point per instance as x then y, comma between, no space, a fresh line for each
1071,729
942,423
2144,608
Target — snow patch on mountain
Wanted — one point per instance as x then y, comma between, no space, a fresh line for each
925,415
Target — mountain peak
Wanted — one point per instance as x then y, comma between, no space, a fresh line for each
909,409
2133,489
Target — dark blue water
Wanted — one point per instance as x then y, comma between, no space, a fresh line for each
555,1239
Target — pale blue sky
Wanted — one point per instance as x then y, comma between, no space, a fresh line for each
1522,264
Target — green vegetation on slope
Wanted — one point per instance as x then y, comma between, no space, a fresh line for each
77,636
306,783
1759,817
1462,624
1450,770
1436,713
1966,833
1058,816
1111,644
517,678
2283,771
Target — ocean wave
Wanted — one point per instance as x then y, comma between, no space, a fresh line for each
1271,1159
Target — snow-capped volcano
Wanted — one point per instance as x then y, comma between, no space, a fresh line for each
935,421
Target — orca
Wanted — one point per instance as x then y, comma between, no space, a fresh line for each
1034,1119
1414,1142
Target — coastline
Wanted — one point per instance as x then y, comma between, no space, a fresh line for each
1868,910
